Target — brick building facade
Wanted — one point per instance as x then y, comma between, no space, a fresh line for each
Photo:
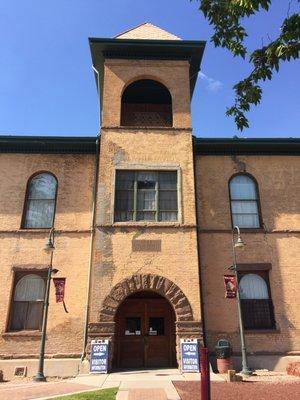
143,216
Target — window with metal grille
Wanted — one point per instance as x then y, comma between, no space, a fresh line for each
28,301
244,202
40,201
146,196
256,302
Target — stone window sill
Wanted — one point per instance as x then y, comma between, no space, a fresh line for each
252,230
152,128
148,223
261,331
35,230
28,334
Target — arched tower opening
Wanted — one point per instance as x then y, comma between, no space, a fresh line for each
146,103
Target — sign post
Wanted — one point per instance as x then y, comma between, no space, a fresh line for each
205,374
99,357
189,355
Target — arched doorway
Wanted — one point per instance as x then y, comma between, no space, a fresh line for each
145,332
131,288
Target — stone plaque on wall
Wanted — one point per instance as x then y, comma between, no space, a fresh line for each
146,245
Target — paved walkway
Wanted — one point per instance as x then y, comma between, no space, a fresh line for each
147,384
242,391
30,390
133,385
163,384
147,394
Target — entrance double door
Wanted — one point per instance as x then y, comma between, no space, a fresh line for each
145,334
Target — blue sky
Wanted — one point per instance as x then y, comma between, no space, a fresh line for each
47,86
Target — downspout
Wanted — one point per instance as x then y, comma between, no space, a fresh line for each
92,235
198,248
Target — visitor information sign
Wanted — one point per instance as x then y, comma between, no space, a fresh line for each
99,357
189,355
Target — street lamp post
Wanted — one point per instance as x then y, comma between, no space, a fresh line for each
49,248
238,244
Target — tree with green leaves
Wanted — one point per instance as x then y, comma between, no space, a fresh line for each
226,17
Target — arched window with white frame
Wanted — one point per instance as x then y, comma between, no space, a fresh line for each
257,305
244,202
40,201
252,287
28,302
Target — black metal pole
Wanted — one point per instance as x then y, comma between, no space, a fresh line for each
40,377
245,369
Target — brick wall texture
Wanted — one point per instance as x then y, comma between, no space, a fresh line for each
278,179
113,259
23,249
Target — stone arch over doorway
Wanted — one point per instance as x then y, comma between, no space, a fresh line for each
105,325
142,282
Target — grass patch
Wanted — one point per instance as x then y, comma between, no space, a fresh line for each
105,394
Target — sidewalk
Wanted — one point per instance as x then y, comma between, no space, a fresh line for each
41,390
133,385
145,384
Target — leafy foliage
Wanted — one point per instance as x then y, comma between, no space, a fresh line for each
225,16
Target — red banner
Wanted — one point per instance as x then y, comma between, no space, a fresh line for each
230,286
59,284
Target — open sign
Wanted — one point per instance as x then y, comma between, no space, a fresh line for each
189,355
99,357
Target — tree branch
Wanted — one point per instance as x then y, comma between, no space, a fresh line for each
265,60
225,17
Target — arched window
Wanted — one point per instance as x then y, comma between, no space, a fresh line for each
257,306
146,103
244,202
40,201
253,286
28,303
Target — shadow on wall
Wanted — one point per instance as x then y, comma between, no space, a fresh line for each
276,244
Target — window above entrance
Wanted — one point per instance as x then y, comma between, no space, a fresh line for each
146,196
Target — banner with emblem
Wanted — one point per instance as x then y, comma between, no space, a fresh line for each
230,286
60,284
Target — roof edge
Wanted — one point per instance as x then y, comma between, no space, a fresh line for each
253,146
147,41
203,146
48,144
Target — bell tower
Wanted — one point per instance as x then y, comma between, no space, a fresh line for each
146,70
145,244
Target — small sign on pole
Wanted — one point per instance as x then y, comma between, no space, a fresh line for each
99,357
189,355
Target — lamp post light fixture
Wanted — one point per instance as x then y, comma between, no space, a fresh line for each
49,249
238,243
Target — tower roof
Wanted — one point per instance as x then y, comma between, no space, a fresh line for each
145,42
147,31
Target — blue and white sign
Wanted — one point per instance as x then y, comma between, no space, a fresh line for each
189,355
99,357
